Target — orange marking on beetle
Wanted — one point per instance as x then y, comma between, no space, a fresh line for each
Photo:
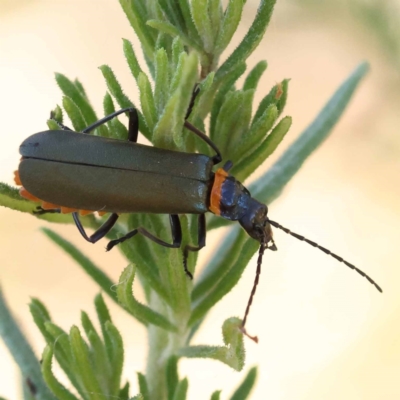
85,212
215,198
17,180
45,205
49,206
67,210
26,195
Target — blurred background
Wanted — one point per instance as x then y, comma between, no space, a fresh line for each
325,332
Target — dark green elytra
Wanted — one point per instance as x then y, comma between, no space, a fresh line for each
95,173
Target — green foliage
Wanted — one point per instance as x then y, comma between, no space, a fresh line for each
182,44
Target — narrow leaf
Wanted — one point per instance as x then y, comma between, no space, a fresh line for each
171,370
138,23
256,134
88,266
201,19
249,164
216,395
181,390
74,114
232,16
268,187
117,361
161,88
83,366
147,101
21,351
225,86
171,30
232,354
75,94
243,391
131,58
116,91
58,389
230,280
251,40
254,76
144,389
143,313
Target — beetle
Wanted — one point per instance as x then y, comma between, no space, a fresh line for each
79,173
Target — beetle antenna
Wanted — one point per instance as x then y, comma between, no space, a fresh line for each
326,251
263,246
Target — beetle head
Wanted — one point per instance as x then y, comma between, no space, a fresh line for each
256,223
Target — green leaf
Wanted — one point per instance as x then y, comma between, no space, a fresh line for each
243,391
40,316
276,96
144,390
232,354
147,101
215,14
250,41
173,13
187,16
75,94
246,167
62,352
149,271
254,76
114,87
143,313
118,129
201,19
99,352
74,114
225,86
255,135
228,118
181,390
104,317
171,30
232,16
225,285
221,262
216,395
167,133
124,392
117,360
88,266
161,88
171,370
138,23
59,390
21,351
268,187
57,114
116,91
131,58
83,365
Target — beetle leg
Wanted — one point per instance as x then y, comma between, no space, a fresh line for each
176,232
133,122
40,211
201,240
101,232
